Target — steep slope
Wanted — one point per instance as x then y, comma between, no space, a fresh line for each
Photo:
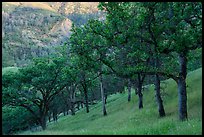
125,118
30,29
26,32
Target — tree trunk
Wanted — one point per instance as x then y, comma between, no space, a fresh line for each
43,114
106,96
86,98
49,118
102,96
67,108
129,90
182,95
43,122
72,108
158,89
158,97
73,99
139,91
140,95
64,111
85,91
54,116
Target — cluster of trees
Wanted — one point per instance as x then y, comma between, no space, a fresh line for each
140,39
46,88
138,43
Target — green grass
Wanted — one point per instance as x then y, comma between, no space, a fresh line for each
7,69
125,118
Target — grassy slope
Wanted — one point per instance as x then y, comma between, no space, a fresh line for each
125,118
7,69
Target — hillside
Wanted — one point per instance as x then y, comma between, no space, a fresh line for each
125,118
60,7
31,29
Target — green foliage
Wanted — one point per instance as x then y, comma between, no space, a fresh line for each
168,27
15,119
195,59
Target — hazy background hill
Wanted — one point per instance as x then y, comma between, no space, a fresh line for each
31,29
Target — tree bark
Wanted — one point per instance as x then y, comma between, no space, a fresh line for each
72,108
102,96
64,112
43,122
182,95
106,96
73,99
54,114
139,90
67,108
129,90
85,91
140,95
158,97
86,98
43,114
158,89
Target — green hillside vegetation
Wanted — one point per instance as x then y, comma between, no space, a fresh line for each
125,118
7,69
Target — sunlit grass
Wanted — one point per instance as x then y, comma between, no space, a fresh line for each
8,69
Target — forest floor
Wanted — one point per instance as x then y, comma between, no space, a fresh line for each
125,118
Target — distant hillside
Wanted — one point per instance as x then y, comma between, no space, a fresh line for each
30,29
125,118
60,7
